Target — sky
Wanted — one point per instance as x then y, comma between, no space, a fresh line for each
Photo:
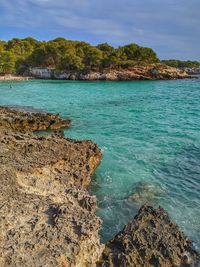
170,27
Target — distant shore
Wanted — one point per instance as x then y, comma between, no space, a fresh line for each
149,72
10,77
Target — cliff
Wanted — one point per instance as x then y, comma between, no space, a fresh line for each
149,72
47,217
137,73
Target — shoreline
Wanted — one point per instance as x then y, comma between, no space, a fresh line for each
21,78
15,78
134,74
53,219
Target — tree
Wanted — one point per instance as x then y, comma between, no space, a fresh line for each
71,55
105,48
71,62
182,64
45,55
92,57
2,45
7,62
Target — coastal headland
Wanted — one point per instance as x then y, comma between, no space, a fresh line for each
48,218
64,59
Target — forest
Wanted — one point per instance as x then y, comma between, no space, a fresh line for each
18,55
181,64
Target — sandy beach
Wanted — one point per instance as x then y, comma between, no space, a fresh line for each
10,77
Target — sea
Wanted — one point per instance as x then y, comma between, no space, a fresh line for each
149,134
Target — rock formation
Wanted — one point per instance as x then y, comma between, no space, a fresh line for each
163,72
151,239
48,218
21,120
137,73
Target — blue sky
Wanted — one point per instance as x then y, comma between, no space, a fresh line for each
170,27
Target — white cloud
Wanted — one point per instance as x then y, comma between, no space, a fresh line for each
171,27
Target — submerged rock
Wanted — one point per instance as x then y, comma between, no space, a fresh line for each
21,120
47,217
151,239
145,192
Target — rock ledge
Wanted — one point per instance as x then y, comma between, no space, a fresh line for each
151,239
48,218
21,120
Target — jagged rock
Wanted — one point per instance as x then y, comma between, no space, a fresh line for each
163,72
47,217
151,239
21,120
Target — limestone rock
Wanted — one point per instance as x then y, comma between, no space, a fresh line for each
21,120
135,73
47,217
151,239
141,72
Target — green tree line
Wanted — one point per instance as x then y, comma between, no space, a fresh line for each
17,55
181,64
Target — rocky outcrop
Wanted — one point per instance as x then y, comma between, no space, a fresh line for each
137,73
47,217
192,71
21,120
163,72
151,239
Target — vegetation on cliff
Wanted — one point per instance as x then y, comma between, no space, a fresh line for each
17,55
181,64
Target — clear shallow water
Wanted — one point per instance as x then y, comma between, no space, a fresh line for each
150,136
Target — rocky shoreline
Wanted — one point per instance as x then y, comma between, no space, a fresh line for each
20,120
137,73
130,74
48,217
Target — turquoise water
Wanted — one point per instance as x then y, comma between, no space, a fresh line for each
149,133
